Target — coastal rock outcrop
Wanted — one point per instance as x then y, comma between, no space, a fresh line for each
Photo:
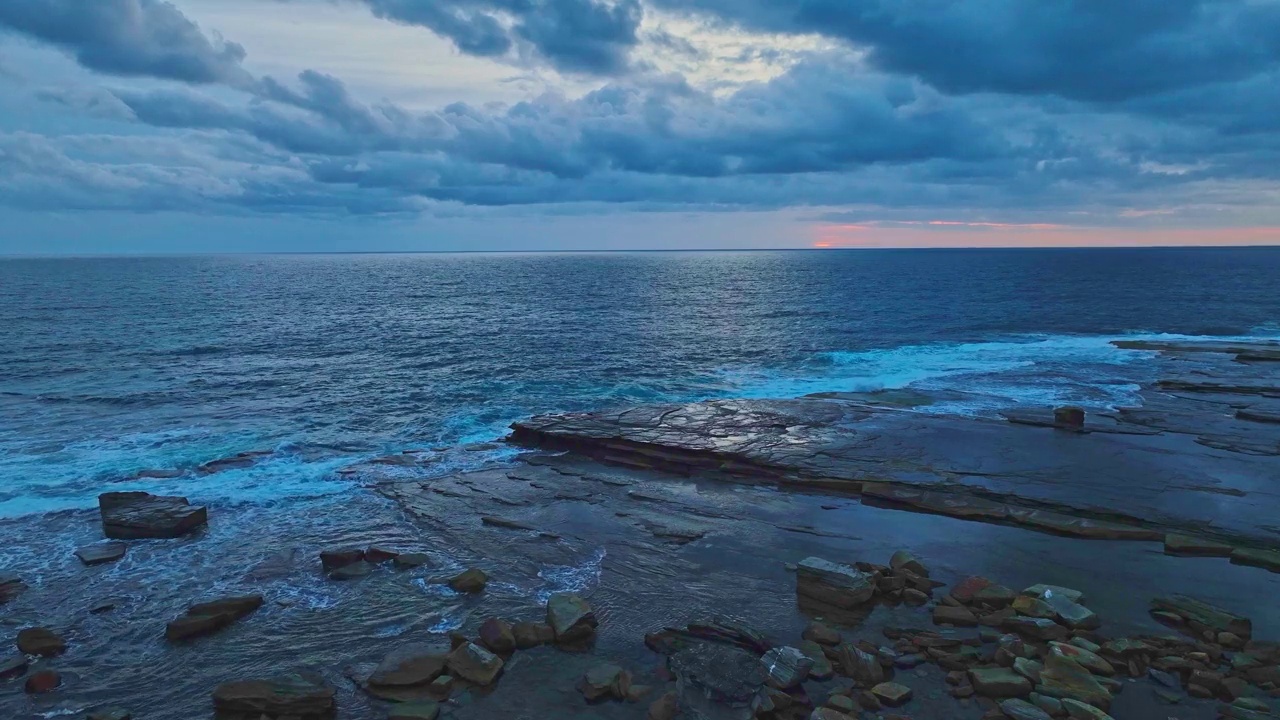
136,515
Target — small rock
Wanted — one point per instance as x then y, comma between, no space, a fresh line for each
1266,559
335,558
1022,710
1077,710
423,710
571,619
101,553
354,571
44,681
957,616
841,586
999,683
892,694
41,641
1053,706
105,605
605,681
821,634
1036,628
1171,698
903,560
1069,418
787,667
471,581
407,561
474,664
994,596
967,589
496,635
1033,607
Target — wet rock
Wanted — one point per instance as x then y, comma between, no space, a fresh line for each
605,681
1017,709
354,571
1033,607
1044,592
717,672
821,634
1166,679
1077,710
571,619
1088,660
826,713
335,558
378,555
1063,678
411,665
786,667
841,586
1073,614
892,694
1053,706
666,707
530,635
421,710
105,605
110,714
13,667
999,683
822,669
207,618
957,616
496,635
905,561
509,524
727,631
1201,616
10,588
296,695
470,581
1036,628
994,596
136,515
862,666
1028,668
474,664
1266,559
1187,546
41,641
912,596
966,590
1069,418
239,461
101,553
408,561
43,681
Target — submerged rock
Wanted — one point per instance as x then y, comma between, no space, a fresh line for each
354,571
135,515
421,710
605,681
821,634
299,695
10,588
41,641
406,561
1266,559
101,553
571,619
335,558
43,681
210,617
470,581
841,586
13,667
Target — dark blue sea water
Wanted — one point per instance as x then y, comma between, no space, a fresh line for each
109,366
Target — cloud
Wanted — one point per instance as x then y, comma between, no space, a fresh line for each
128,37
580,36
1089,50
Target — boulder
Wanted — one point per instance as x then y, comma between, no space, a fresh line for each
301,696
952,615
1033,607
334,558
571,619
136,515
822,669
1016,709
966,589
841,586
407,561
43,681
421,710
530,635
892,694
605,681
1065,679
717,673
862,666
470,581
41,641
999,683
378,555
101,553
354,571
666,707
786,667
821,634
905,561
1086,659
496,635
411,665
474,664
13,667
207,618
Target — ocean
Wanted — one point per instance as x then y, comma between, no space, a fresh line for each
109,366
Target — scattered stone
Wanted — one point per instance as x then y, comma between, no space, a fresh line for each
821,634
999,683
1036,628
40,641
530,635
726,674
957,616
1086,644
335,558
571,619
862,666
101,553
787,667
1022,710
354,571
470,581
666,707
892,694
1064,678
1089,661
994,596
43,681
377,555
1187,546
296,695
1028,668
13,667
422,710
903,560
408,561
496,635
1033,607
841,586
605,681
474,664
1077,710
411,665
1044,592
136,515
1266,559
207,618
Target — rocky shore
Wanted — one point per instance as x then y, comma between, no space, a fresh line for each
821,558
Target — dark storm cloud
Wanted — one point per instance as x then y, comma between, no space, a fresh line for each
586,36
128,37
1093,50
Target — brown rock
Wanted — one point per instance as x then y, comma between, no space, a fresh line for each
470,581
474,664
377,555
496,635
571,619
892,694
297,695
210,617
101,553
44,681
1069,418
135,515
41,641
821,634
335,558
530,635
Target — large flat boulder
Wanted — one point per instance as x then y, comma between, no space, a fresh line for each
136,515
210,617
841,586
299,696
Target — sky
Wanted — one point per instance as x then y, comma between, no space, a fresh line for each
144,126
